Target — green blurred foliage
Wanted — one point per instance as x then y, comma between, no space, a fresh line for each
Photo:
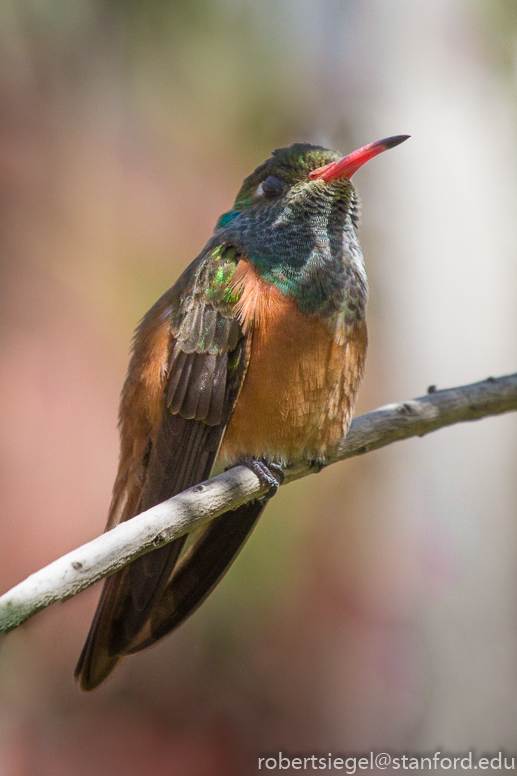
498,20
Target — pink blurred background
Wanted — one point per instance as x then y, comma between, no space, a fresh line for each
375,606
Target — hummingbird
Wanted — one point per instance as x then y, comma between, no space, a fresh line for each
254,356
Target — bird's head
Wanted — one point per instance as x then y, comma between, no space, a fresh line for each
297,213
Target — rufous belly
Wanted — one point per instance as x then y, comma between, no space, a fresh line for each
299,391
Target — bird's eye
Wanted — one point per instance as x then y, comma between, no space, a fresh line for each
270,188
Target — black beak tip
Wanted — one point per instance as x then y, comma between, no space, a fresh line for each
391,142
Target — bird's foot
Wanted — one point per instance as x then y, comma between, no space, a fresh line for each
270,474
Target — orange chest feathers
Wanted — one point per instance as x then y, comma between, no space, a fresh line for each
299,391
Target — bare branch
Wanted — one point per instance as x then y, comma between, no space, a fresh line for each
113,550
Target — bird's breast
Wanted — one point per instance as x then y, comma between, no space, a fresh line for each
299,391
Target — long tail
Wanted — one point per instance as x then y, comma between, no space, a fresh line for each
197,573
181,456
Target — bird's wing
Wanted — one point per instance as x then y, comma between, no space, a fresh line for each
189,360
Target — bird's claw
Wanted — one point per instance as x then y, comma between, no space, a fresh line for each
270,474
317,466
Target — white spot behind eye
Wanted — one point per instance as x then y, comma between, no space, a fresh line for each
259,191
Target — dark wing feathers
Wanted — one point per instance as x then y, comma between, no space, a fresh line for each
176,402
198,386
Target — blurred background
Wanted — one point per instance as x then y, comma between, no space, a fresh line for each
375,606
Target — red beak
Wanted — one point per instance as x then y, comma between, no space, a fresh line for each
348,165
